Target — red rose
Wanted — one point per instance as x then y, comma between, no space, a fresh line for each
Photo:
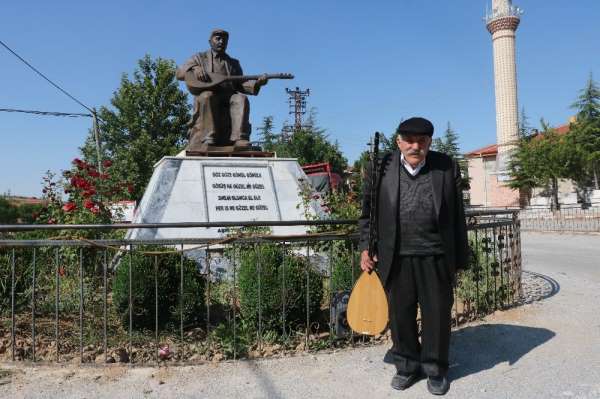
69,206
88,204
95,209
89,193
79,163
107,163
130,188
104,176
94,173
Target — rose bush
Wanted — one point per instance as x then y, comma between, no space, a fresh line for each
83,195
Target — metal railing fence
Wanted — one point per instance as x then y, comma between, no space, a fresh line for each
193,300
567,219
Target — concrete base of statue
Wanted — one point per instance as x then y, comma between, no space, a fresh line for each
218,189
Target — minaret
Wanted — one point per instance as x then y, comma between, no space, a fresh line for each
502,23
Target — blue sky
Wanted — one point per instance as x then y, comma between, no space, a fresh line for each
367,64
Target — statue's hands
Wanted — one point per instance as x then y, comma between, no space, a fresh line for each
262,80
201,74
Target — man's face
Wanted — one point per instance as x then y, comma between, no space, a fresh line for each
218,43
414,147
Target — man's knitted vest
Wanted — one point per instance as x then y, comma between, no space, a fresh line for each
419,234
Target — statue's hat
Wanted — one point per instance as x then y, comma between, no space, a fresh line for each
219,32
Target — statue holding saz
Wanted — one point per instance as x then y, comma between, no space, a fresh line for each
221,107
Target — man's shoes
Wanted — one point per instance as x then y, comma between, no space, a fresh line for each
402,381
438,385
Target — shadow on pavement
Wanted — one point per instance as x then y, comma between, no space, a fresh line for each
263,380
482,347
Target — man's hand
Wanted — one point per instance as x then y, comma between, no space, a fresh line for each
262,80
366,263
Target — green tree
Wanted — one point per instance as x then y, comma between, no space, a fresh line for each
267,137
311,145
148,120
448,144
584,137
541,160
524,127
588,102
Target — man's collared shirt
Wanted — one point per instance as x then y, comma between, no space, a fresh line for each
409,168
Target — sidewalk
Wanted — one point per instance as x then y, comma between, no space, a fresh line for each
547,349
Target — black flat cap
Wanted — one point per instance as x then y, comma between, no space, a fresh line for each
416,126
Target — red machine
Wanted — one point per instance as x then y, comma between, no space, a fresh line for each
321,177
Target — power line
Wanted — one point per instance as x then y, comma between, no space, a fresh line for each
46,113
47,79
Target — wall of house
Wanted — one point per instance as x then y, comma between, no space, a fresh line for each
486,190
477,182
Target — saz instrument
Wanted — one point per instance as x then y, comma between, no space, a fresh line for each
196,86
367,311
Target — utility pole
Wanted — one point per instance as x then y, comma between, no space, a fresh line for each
97,137
297,104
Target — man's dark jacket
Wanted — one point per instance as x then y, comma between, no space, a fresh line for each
447,197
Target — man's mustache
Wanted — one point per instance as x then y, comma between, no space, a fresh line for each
415,152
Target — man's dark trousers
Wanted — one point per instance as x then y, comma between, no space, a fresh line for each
426,281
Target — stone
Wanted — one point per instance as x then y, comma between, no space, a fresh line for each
100,359
195,358
121,355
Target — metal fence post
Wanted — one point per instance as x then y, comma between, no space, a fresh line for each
81,305
33,305
12,305
57,303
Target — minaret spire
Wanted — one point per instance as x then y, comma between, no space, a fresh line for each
502,23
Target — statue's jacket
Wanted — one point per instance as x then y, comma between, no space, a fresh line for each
203,61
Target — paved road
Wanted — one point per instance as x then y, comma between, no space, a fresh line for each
547,349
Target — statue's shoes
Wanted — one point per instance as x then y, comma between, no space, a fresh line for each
241,143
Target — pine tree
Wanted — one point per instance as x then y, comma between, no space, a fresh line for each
311,145
585,132
588,102
524,127
267,137
448,144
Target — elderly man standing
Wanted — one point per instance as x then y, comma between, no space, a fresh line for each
221,113
421,244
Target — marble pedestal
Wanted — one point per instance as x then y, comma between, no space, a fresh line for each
214,189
